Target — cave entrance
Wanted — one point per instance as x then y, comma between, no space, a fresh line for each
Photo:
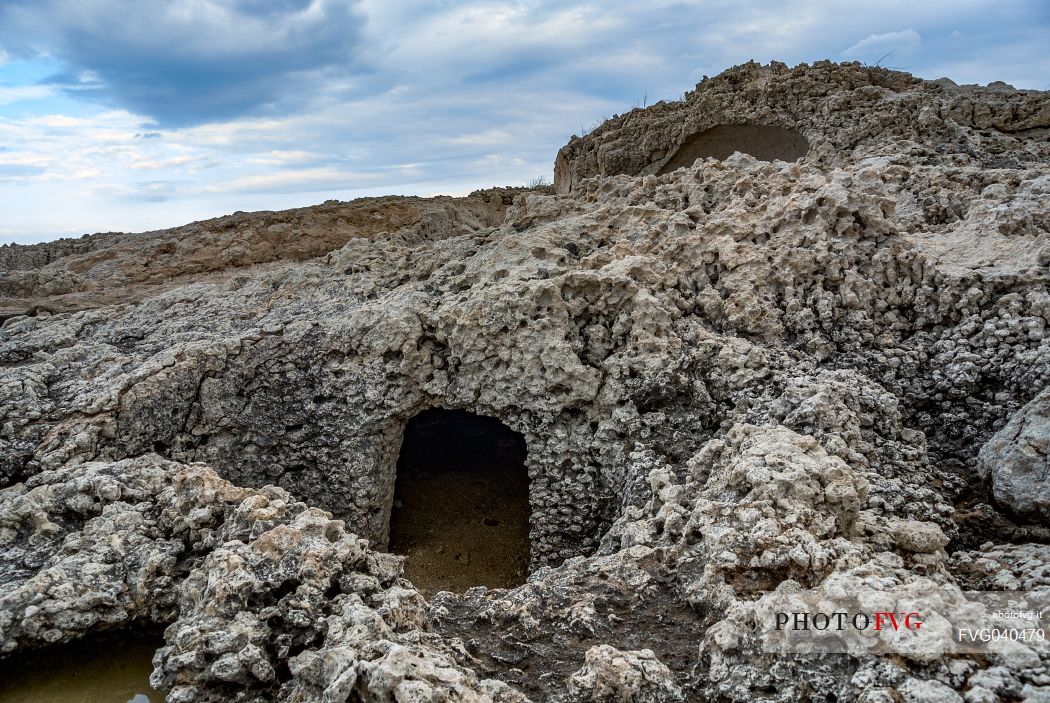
461,502
764,142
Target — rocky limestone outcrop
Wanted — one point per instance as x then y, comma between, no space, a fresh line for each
612,675
834,114
112,268
1017,460
737,381
248,577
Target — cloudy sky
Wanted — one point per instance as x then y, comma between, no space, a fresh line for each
129,115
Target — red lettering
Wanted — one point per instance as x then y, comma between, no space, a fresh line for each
917,625
880,615
884,617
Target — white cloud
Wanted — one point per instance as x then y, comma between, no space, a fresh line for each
9,95
487,137
149,191
175,162
307,180
286,157
61,121
900,44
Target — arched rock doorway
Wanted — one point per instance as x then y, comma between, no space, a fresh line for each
461,502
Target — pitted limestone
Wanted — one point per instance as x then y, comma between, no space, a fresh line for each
733,377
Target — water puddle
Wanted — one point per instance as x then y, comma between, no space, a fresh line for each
112,668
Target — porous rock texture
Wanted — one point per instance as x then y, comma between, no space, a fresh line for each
1017,459
737,379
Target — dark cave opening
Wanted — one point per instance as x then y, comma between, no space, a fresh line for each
461,502
764,142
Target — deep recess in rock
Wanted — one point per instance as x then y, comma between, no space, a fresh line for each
764,142
733,377
461,502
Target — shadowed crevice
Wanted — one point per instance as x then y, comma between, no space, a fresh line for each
764,142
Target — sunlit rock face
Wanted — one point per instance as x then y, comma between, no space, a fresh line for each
730,375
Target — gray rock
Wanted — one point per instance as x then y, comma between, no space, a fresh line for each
733,378
613,675
1017,459
929,691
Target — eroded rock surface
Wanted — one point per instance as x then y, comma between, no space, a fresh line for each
612,675
735,380
1017,460
111,268
842,112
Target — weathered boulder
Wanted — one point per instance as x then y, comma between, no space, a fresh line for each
1017,460
104,545
613,676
